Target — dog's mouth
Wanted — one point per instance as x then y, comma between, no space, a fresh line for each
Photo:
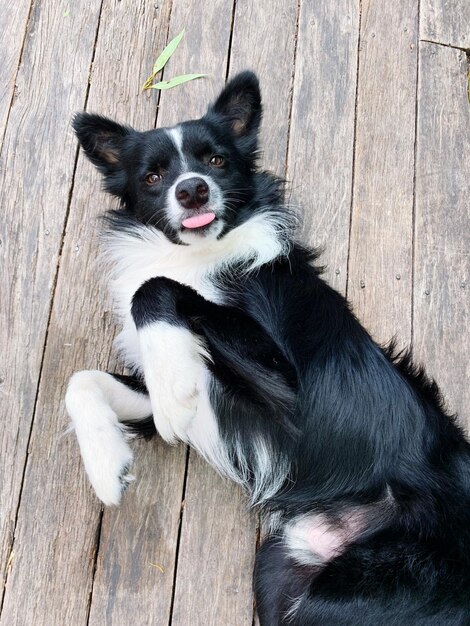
199,221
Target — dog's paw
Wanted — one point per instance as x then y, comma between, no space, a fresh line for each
102,439
175,404
173,364
107,459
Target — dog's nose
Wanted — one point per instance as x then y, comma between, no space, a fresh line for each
192,193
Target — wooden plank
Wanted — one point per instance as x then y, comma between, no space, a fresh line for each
442,235
196,53
380,274
36,168
13,21
322,128
59,524
217,543
272,58
446,21
139,539
216,557
137,551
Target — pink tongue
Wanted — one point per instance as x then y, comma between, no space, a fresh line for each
199,220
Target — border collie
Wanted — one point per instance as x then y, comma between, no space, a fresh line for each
236,346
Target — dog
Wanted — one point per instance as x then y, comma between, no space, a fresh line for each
236,346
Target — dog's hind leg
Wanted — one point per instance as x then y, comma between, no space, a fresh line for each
280,583
390,578
98,403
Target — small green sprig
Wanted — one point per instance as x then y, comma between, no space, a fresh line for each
160,63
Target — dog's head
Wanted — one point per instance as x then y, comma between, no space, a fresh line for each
192,181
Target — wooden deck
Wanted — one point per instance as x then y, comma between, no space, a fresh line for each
366,113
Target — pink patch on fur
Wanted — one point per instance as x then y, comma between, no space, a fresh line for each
324,541
315,539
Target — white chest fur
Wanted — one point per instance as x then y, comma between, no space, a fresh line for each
134,256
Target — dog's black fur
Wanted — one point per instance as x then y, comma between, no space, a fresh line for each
359,427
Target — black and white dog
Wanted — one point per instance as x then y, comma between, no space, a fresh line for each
237,347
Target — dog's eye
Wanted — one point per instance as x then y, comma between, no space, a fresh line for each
217,160
153,178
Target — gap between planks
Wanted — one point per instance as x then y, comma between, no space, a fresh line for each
353,171
291,86
413,209
178,539
230,40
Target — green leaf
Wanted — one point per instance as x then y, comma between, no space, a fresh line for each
163,58
167,52
177,80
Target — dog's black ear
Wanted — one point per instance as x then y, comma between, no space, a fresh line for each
239,107
102,140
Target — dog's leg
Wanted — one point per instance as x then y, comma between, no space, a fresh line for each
173,361
182,336
97,402
279,583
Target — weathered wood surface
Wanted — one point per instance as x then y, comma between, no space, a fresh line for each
217,531
138,541
216,553
446,22
153,561
81,312
13,22
442,235
37,163
271,56
380,253
320,161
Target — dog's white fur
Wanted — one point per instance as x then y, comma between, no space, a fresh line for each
144,252
176,136
171,359
173,365
96,402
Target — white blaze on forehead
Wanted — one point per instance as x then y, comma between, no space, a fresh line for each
176,136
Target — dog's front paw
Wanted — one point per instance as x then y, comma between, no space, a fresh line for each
175,403
173,364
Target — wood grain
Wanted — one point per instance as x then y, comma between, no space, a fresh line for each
446,21
271,57
13,21
322,128
216,558
380,275
442,259
36,169
59,516
197,53
139,537
204,536
136,557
